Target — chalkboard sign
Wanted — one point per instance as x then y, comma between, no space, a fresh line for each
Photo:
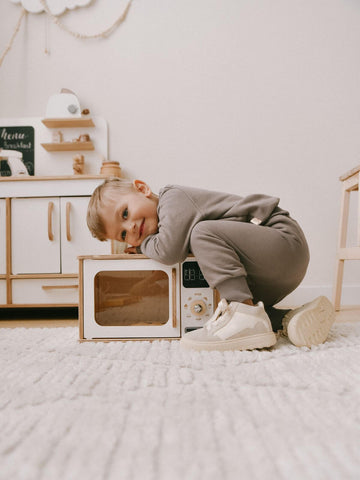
18,139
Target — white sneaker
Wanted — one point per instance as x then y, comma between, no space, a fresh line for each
234,326
309,324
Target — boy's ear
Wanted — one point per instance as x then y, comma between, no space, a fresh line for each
142,187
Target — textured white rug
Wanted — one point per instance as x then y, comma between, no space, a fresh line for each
150,411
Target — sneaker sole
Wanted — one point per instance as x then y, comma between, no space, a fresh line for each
311,324
252,342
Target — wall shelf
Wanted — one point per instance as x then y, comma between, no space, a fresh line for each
68,146
68,122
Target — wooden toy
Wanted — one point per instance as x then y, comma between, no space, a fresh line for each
78,164
131,297
110,169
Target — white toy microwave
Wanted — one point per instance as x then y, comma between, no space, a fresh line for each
131,297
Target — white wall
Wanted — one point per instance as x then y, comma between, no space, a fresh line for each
243,96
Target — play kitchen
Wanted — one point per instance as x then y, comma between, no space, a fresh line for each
131,297
49,167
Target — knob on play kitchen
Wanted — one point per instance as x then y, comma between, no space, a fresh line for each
198,307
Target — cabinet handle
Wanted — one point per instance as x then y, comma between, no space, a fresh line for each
68,234
173,277
50,212
58,287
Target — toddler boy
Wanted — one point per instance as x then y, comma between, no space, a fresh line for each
248,248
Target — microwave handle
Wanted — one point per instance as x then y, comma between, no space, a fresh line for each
173,277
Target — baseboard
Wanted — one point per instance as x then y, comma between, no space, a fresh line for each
306,293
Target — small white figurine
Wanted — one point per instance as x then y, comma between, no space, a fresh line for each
57,137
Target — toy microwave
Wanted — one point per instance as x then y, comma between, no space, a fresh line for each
131,297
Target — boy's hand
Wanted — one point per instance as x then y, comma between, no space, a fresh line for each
130,250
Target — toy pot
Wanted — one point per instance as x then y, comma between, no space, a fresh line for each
111,169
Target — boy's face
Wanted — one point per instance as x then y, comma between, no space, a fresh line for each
131,217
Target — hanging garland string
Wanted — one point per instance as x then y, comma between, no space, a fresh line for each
17,28
103,34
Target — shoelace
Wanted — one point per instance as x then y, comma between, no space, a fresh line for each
219,317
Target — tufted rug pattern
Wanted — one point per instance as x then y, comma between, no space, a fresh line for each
150,411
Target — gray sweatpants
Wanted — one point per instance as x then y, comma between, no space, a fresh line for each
242,260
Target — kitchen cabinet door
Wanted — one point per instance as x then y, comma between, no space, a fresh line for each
35,235
76,238
2,292
2,237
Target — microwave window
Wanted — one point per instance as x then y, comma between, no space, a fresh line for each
131,298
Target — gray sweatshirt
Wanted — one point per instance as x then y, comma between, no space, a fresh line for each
181,208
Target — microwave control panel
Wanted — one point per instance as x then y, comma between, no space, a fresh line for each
197,298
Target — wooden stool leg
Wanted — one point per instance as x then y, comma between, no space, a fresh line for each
358,211
339,273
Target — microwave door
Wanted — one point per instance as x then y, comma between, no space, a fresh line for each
131,299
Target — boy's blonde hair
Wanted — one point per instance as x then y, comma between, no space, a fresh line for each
102,195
